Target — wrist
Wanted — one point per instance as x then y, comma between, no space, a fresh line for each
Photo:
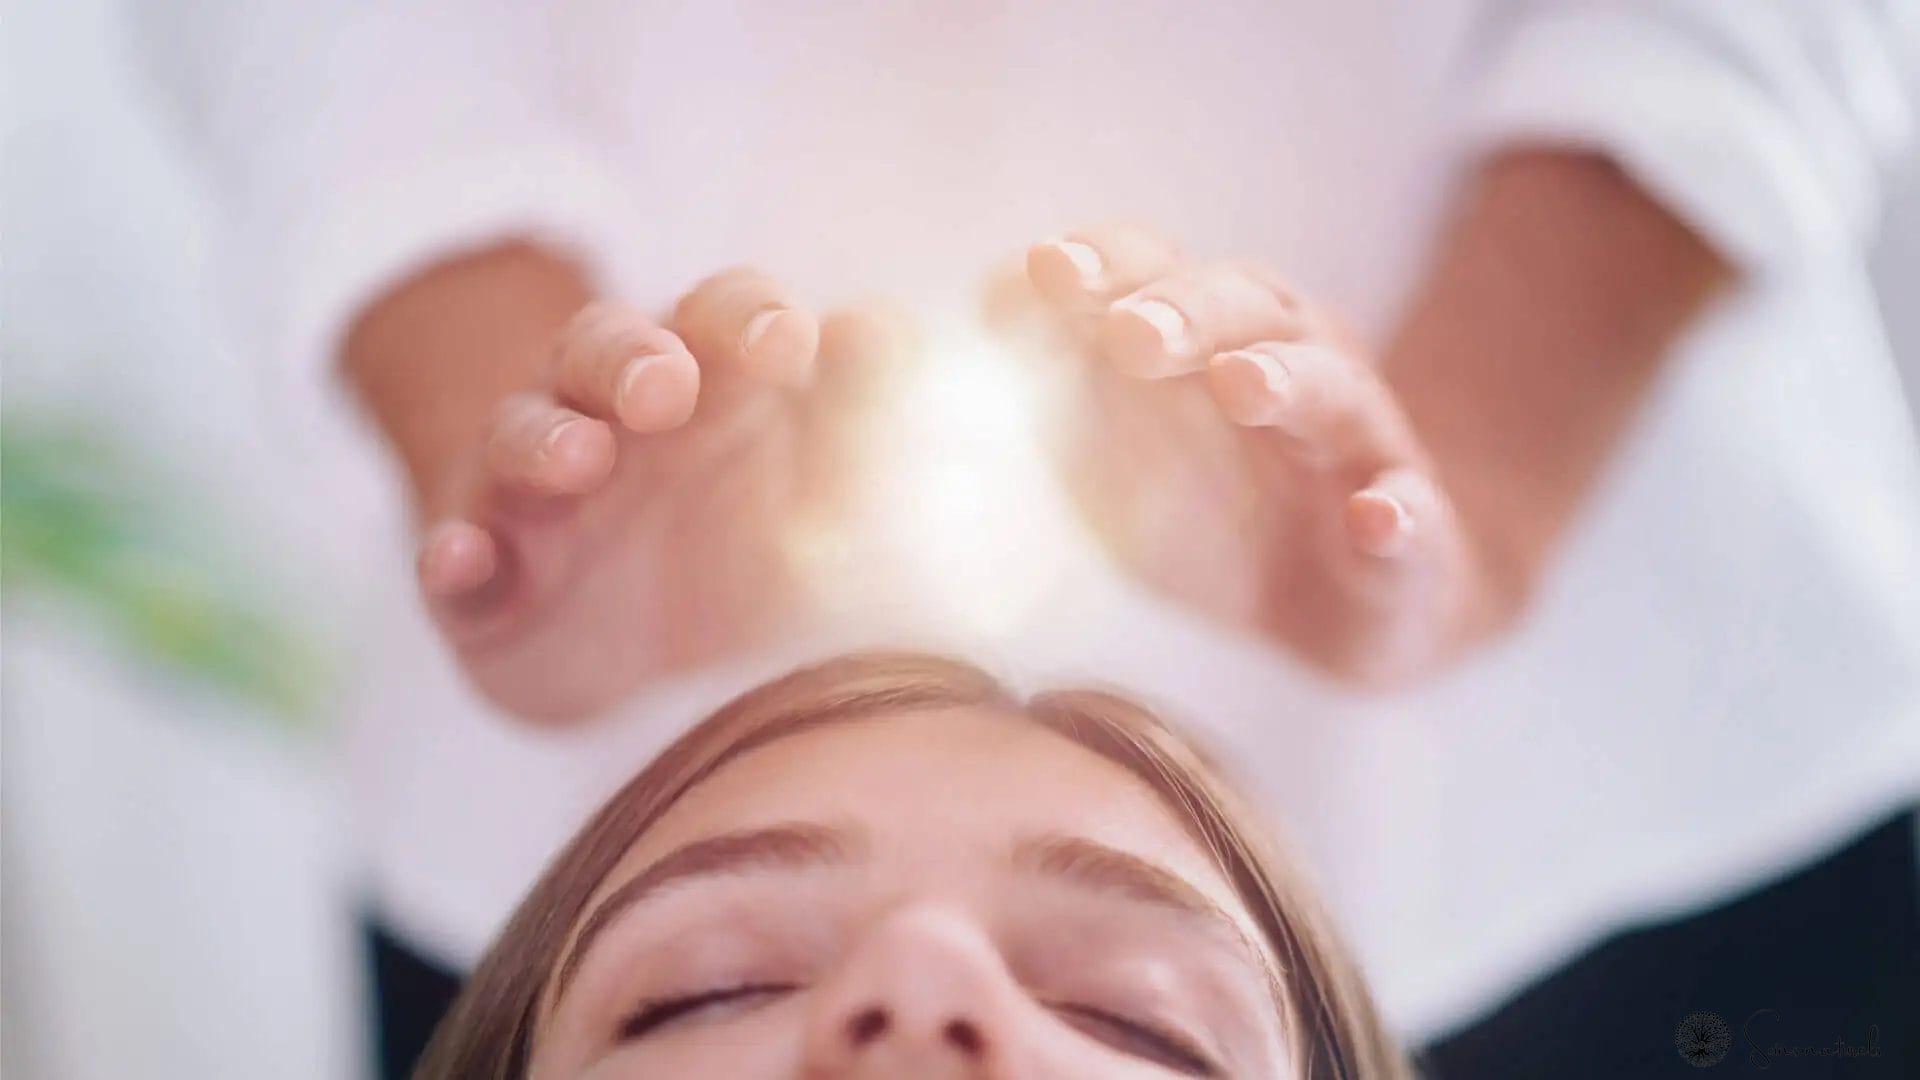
1551,305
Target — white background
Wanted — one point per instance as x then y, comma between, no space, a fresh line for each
177,902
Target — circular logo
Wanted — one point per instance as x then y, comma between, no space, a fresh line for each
1703,1039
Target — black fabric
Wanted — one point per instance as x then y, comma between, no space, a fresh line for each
1777,983
411,994
1830,953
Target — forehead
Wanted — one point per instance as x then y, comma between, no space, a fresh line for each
956,787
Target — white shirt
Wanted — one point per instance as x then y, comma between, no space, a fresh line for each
1722,676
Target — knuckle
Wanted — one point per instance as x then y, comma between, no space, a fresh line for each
1272,282
599,328
593,321
733,280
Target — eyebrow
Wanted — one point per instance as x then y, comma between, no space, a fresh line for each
796,846
1073,860
1095,867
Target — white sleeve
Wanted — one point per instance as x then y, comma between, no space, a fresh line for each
345,145
1770,126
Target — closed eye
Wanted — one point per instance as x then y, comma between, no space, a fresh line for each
1142,1040
715,1004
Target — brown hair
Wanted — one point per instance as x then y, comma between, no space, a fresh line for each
1327,1013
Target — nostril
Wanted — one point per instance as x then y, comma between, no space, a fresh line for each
867,1025
963,1036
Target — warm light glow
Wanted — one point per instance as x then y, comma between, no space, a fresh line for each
964,520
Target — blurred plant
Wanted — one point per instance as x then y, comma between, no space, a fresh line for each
81,523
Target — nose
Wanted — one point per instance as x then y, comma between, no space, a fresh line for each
923,994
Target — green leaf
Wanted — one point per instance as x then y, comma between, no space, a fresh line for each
80,523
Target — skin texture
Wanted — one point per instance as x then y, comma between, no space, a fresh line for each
924,944
607,497
1244,453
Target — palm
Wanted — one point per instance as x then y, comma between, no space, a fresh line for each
1216,516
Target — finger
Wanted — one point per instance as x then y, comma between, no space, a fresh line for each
541,447
1009,306
1396,514
1170,326
860,345
863,350
615,363
465,577
456,558
1330,406
744,321
1408,560
1037,333
1090,267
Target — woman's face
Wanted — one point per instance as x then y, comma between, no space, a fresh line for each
952,894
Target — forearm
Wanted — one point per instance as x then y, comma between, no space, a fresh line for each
1555,295
432,359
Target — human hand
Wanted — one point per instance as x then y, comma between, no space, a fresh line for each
632,516
1236,450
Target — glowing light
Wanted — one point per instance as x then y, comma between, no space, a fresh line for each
964,518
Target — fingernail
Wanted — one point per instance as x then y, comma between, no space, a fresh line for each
1173,339
630,379
442,549
1391,526
1251,386
552,440
757,328
434,539
1090,270
780,343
